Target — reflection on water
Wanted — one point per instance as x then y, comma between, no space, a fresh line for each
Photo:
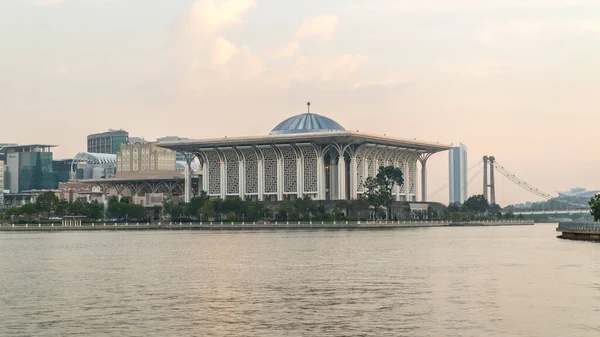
500,281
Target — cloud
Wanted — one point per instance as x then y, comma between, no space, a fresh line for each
321,26
287,51
518,31
208,16
223,51
342,66
394,6
50,2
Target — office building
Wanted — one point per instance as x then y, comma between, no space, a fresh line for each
28,167
458,174
107,142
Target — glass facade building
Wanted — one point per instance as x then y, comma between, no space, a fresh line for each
107,142
458,174
28,167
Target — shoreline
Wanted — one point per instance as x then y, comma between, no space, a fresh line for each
237,226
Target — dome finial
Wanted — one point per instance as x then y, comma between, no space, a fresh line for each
308,105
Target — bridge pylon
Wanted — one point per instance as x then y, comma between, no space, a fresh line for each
491,196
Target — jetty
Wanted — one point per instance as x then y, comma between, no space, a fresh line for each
587,231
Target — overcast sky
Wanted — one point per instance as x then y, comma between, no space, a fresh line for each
518,79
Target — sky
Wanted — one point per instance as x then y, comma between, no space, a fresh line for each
517,79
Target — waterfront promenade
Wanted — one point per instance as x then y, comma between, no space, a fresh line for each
283,225
587,231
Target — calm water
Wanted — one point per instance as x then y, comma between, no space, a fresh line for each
500,281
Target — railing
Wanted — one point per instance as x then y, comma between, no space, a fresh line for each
581,226
262,224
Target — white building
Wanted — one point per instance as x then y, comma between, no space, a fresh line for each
305,155
457,163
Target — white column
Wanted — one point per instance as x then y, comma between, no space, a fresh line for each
300,177
415,180
223,180
333,180
242,178
280,179
407,179
341,186
353,179
320,178
398,187
205,185
187,182
424,180
261,180
104,200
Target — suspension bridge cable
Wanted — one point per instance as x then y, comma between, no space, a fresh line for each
475,175
441,188
523,184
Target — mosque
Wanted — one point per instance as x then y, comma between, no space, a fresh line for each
304,155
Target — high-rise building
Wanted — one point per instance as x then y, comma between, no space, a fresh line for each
458,174
28,167
107,142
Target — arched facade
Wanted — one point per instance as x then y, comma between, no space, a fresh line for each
307,155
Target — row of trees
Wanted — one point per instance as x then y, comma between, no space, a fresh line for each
378,194
475,207
48,205
237,209
124,210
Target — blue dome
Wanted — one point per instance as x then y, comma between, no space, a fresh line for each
307,122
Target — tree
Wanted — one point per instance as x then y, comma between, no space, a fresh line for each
477,204
379,188
207,210
595,207
195,204
29,210
47,203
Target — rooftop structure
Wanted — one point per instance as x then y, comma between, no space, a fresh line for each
87,165
16,148
305,123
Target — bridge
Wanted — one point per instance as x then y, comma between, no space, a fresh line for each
557,212
488,166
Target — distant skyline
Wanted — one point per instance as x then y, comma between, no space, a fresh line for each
516,79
